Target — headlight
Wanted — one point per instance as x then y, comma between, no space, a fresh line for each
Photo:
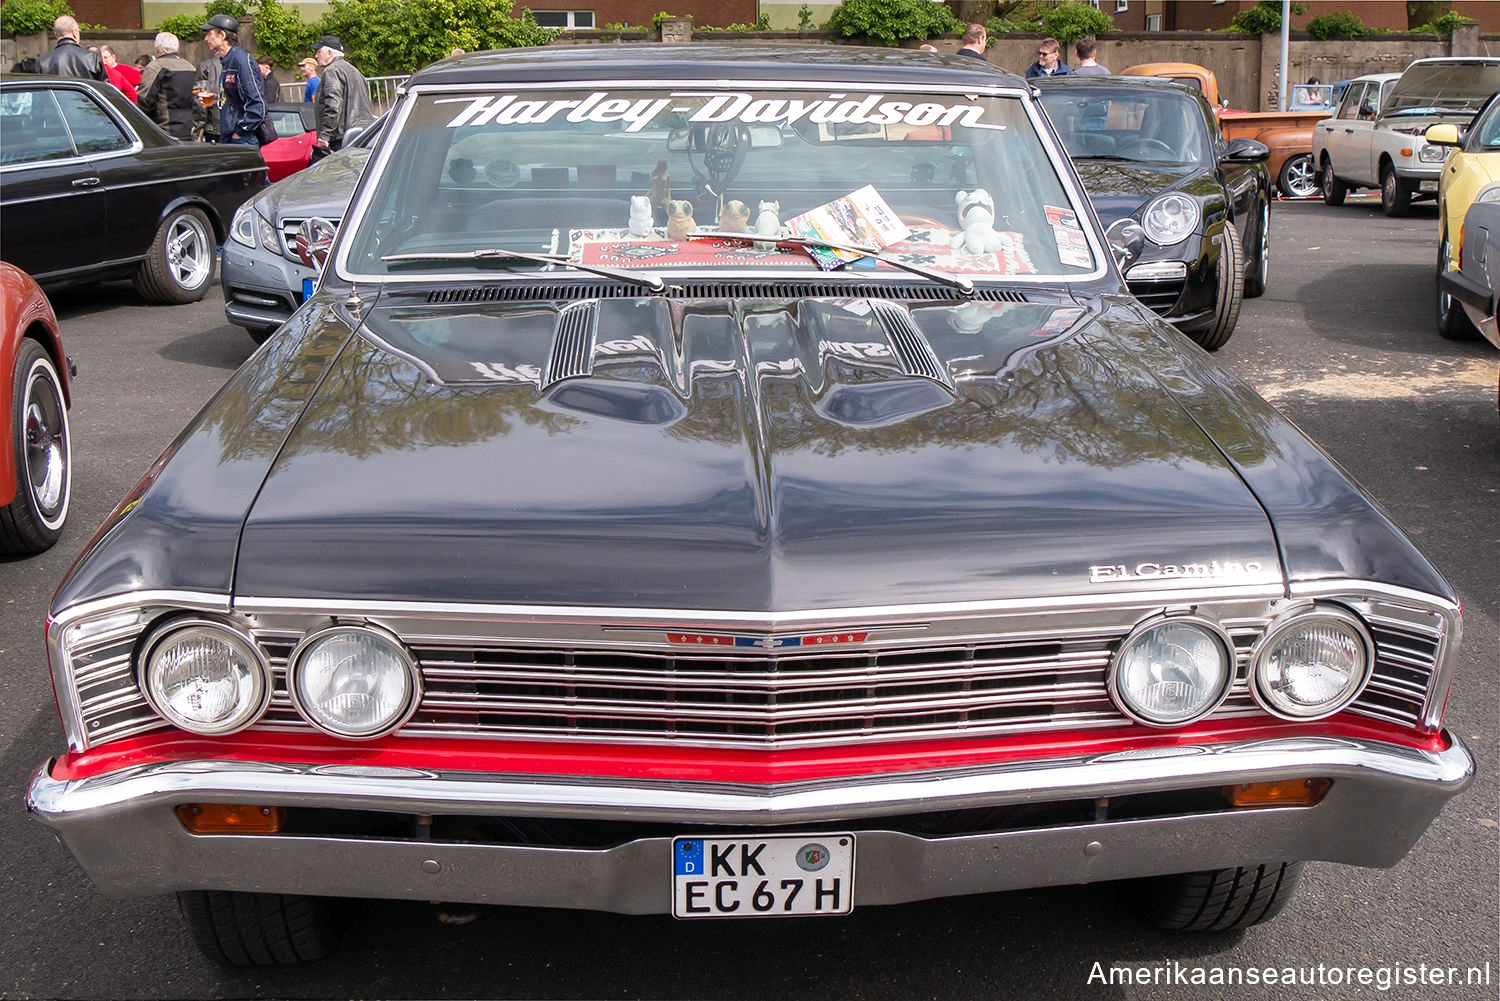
1172,671
1311,663
205,677
1488,193
353,681
242,229
1432,154
1170,219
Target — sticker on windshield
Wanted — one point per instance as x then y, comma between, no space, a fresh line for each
1072,248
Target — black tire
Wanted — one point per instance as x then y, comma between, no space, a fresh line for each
1231,291
43,451
1334,189
1452,322
1260,263
179,267
1218,899
260,929
1297,178
1395,196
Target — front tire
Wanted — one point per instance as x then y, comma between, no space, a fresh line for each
1297,178
179,267
1334,189
1231,291
1260,267
1218,899
259,929
1395,197
43,450
1452,322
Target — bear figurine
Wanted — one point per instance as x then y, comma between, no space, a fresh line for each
641,222
734,217
679,219
976,217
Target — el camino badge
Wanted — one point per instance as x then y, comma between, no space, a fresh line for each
764,642
1158,571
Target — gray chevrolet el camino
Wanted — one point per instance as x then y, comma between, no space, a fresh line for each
735,482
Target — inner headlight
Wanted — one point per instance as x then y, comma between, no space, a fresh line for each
1488,193
242,229
205,677
353,681
1312,663
1172,671
1170,219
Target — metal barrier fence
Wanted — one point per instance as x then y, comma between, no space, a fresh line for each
382,90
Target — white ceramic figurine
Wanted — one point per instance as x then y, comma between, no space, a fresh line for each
640,215
976,217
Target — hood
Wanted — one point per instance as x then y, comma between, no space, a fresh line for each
1442,86
1120,189
322,189
746,455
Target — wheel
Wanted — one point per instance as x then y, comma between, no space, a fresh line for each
1231,291
179,267
1395,197
1452,322
1297,178
44,455
1218,899
259,929
1334,189
1260,266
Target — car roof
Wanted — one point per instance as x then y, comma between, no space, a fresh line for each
835,64
1115,82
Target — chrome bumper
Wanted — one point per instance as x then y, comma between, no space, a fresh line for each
124,832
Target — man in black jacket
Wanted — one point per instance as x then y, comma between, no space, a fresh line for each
69,58
343,100
166,91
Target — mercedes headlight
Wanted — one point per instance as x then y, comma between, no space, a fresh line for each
353,681
1172,670
204,676
1311,663
1170,219
250,227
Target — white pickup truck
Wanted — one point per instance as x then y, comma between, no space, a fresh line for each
1374,138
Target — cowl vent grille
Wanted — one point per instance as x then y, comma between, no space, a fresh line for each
573,349
574,291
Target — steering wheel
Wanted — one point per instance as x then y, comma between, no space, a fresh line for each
922,222
1145,146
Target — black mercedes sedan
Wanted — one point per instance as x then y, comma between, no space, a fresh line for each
91,189
1151,151
735,482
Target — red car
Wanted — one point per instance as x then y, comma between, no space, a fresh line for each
297,128
36,467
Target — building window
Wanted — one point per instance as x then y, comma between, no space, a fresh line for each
1153,22
564,18
1121,5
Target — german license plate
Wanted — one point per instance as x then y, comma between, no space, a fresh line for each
307,287
775,876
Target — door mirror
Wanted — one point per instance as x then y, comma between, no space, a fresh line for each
1127,241
314,238
1246,150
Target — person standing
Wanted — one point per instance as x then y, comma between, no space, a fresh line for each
242,95
1047,63
343,100
1085,49
272,85
68,58
166,92
207,88
127,79
976,39
310,74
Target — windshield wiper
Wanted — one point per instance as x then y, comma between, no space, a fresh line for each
959,282
501,254
1098,156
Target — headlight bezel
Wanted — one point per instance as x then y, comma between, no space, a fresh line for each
1189,220
1302,617
242,229
1212,629
252,709
413,673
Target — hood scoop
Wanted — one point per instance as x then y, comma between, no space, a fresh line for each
533,292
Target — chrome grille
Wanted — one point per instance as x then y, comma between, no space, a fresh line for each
747,697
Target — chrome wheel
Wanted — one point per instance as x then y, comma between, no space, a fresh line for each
46,434
1298,178
190,251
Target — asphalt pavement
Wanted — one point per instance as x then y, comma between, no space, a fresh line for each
1343,342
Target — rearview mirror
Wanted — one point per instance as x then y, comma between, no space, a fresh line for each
1127,241
696,139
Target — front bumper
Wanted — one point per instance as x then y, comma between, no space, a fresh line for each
123,829
1478,300
261,289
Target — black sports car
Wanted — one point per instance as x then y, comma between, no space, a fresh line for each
91,189
735,481
1151,150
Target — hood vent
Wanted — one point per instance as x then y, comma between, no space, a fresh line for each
573,347
572,291
912,349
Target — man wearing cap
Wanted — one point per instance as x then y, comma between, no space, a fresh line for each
166,92
310,74
242,95
343,100
69,58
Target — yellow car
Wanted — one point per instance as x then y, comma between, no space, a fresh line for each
1472,164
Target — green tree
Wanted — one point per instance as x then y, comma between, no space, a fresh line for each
1264,18
29,17
400,36
1070,21
1419,15
1342,24
889,22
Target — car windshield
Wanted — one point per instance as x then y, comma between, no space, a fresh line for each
1126,124
1486,131
618,177
1426,88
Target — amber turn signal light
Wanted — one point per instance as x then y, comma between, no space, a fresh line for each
231,818
1287,792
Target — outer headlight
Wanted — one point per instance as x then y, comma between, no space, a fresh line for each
1172,671
242,229
1170,219
204,676
1311,663
1488,193
1432,154
353,681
